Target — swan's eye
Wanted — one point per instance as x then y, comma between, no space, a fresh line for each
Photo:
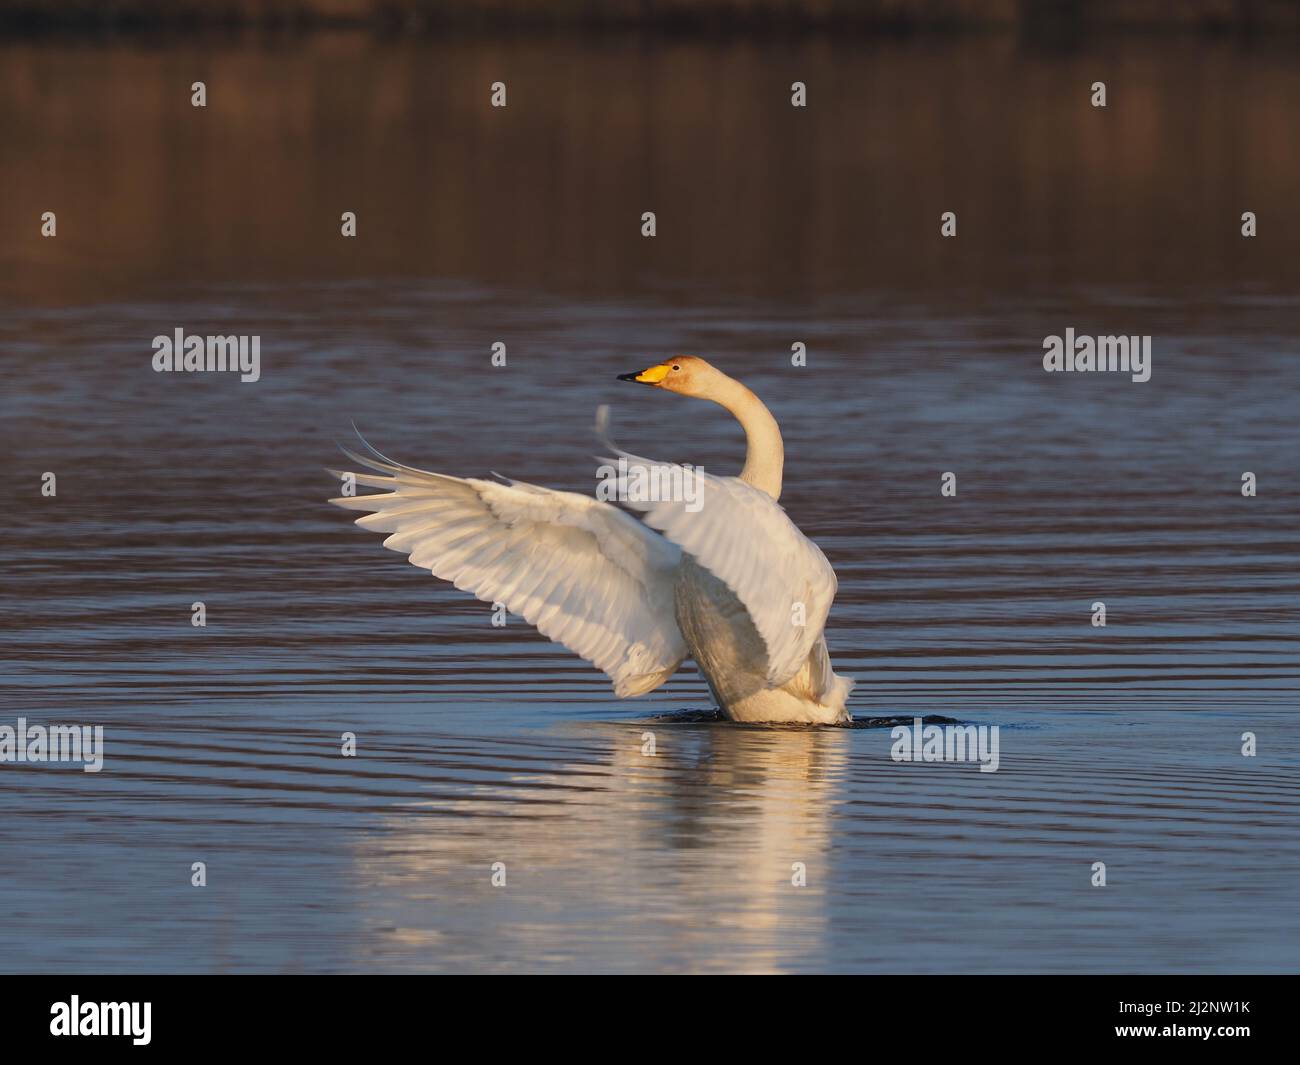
676,367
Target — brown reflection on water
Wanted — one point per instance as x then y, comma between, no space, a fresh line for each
751,194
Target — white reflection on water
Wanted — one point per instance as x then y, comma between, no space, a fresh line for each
679,860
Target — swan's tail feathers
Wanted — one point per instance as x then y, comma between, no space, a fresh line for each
581,571
831,688
836,694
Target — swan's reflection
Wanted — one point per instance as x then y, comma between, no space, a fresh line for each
615,859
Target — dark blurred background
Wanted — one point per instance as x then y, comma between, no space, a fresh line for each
898,15
754,197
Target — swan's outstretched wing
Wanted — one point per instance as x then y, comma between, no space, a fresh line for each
744,538
583,572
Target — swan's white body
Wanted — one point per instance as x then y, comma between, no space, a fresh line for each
729,580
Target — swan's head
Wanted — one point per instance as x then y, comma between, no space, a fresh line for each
684,374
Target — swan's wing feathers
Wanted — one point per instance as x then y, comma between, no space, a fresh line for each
586,574
744,538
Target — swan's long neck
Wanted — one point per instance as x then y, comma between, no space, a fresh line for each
765,452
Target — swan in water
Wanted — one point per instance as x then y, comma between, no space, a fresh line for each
727,578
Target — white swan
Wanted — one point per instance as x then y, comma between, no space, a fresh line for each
731,581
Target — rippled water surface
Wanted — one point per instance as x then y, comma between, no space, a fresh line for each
479,744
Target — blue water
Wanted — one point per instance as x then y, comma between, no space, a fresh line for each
478,744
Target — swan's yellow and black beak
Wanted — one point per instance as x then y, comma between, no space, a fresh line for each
651,376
